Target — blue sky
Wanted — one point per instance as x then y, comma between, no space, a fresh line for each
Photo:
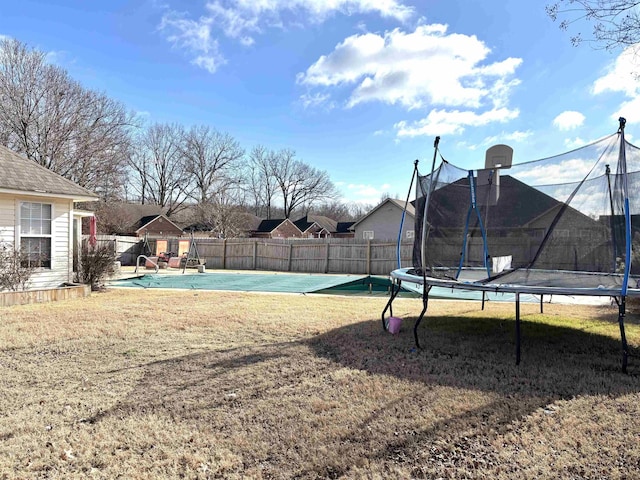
358,88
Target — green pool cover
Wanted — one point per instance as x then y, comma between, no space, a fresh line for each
302,283
271,282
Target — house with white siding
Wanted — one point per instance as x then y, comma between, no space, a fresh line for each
383,222
37,217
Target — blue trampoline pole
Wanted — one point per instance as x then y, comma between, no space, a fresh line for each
622,166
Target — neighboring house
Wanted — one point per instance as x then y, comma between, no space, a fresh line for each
344,230
383,222
239,226
516,224
136,220
38,217
309,226
319,226
519,210
277,228
313,228
156,226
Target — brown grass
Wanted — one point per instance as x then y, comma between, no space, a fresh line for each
160,384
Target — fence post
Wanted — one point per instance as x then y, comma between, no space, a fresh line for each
326,259
224,254
368,257
290,254
255,254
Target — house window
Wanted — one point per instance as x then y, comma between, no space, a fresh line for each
367,234
411,234
35,234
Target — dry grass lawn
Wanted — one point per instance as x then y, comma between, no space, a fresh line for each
157,384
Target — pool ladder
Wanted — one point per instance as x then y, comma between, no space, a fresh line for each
147,259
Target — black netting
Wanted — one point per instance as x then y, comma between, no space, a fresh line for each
563,214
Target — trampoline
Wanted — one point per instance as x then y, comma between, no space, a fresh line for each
562,225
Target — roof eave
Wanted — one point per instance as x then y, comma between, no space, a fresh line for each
75,198
83,213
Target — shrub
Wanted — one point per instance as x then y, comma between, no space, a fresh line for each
96,263
15,269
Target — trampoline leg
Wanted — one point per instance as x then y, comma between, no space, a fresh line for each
541,300
483,292
623,337
394,294
425,304
517,329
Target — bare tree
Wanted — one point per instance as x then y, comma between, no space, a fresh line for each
211,158
299,183
260,183
139,161
113,218
51,119
223,212
160,167
335,209
359,210
616,23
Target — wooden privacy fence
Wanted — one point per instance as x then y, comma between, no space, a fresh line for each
126,249
310,256
321,255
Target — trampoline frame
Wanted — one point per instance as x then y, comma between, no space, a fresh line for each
402,274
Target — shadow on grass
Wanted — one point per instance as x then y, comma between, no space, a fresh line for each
479,353
358,397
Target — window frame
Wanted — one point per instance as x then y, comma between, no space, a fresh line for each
368,234
21,236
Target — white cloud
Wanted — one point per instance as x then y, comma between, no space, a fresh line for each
316,100
443,122
573,143
568,120
426,68
243,20
321,9
415,69
567,171
628,109
194,37
516,136
366,194
622,75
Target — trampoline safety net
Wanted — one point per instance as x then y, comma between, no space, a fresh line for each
571,220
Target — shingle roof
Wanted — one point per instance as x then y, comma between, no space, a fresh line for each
343,227
303,224
325,222
518,204
269,225
24,175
